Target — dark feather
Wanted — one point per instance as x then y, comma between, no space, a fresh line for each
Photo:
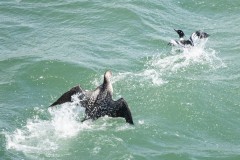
99,102
122,110
67,96
186,42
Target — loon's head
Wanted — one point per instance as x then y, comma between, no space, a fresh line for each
107,76
107,82
180,33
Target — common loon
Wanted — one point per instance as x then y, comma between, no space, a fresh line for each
99,102
192,41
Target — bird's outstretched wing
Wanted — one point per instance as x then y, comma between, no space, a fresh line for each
121,109
198,35
201,34
67,96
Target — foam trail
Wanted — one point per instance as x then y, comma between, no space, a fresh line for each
151,75
141,77
179,59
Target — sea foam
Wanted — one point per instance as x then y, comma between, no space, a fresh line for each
162,65
183,58
39,136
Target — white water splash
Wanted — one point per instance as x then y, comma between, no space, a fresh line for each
179,59
182,58
149,75
40,136
153,76
141,122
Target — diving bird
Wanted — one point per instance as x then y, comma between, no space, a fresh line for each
194,38
99,102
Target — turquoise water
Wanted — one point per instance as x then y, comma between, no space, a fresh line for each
185,104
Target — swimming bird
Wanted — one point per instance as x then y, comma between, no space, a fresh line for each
193,40
99,102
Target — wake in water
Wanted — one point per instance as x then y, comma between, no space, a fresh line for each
139,78
178,60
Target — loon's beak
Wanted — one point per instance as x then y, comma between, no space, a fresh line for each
175,30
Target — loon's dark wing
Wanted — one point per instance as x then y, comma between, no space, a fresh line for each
186,42
121,109
201,34
117,108
67,96
196,36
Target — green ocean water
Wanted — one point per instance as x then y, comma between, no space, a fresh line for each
185,104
